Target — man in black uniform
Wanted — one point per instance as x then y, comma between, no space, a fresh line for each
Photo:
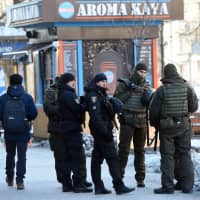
170,108
71,143
101,115
55,138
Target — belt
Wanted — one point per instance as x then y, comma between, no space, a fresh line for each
135,115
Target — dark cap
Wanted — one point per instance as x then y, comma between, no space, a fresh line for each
170,70
67,77
16,79
141,66
100,77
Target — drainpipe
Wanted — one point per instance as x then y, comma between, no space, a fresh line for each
162,48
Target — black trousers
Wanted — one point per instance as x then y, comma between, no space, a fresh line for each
105,150
176,145
11,148
69,158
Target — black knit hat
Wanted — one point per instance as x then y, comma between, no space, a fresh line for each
141,66
67,77
100,77
16,79
170,70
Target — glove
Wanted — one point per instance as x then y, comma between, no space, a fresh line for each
132,86
146,97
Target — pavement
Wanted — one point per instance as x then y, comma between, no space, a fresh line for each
41,184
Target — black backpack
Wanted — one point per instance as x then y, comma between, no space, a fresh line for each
50,103
14,116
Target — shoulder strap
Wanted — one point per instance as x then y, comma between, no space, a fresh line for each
125,81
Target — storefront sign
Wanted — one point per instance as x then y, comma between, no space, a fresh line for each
99,10
7,47
80,10
121,10
24,12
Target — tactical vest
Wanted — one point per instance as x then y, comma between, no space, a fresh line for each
133,103
175,100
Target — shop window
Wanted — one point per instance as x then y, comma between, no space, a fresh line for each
46,68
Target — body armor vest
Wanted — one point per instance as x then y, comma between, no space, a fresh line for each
133,104
175,100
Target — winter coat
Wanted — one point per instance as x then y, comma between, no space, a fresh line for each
30,109
100,111
71,110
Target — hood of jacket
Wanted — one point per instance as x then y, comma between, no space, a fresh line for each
15,91
173,79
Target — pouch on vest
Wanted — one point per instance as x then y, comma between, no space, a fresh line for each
173,123
134,121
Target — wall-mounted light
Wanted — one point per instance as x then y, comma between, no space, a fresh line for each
52,31
31,34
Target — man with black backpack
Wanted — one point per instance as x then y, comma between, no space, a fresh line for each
51,109
65,114
17,109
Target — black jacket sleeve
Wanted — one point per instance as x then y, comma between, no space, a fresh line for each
155,108
192,100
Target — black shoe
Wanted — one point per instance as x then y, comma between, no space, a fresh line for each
20,186
163,191
67,188
140,184
102,190
59,179
81,188
9,182
123,189
87,184
177,186
187,191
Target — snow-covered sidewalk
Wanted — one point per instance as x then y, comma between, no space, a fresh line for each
40,182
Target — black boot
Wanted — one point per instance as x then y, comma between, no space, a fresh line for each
102,190
140,184
120,188
124,189
163,190
9,181
187,190
67,188
177,186
81,188
87,184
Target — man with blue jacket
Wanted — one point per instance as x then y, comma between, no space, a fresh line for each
16,138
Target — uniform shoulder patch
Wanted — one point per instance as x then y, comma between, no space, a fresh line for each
93,99
77,101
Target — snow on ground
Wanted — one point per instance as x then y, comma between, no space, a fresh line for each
41,182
